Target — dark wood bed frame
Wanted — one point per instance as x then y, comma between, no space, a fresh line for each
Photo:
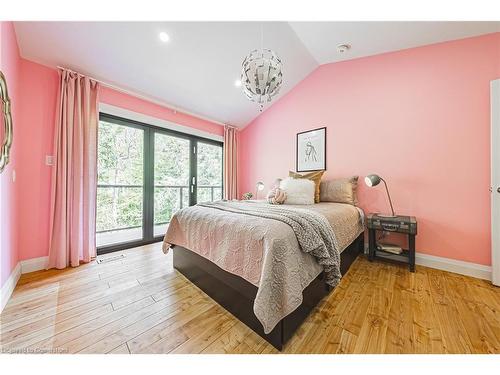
237,295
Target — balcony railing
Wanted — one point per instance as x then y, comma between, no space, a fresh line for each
183,194
212,190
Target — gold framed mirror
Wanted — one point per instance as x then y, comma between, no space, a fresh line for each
5,123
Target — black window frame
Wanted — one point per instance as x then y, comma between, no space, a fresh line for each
148,177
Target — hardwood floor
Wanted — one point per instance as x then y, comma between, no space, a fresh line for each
142,305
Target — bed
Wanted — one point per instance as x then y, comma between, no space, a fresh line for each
268,265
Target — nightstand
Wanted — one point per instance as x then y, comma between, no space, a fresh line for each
398,224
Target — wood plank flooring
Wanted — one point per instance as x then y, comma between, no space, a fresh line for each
140,304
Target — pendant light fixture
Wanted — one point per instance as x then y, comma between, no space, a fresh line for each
261,75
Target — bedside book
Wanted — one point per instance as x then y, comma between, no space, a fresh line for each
389,248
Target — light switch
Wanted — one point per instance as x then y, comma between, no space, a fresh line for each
49,160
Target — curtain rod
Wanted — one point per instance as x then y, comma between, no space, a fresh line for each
145,97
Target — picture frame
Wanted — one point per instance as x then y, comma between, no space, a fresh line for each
311,150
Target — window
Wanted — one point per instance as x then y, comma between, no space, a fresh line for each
145,175
171,178
209,160
120,183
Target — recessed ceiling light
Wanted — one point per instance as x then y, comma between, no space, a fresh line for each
237,83
164,37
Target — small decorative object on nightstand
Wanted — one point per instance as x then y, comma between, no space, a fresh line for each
247,196
397,224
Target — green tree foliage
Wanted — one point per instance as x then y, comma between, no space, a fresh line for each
120,162
171,176
209,159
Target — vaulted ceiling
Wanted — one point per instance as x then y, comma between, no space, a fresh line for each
197,68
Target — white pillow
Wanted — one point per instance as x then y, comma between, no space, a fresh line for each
298,190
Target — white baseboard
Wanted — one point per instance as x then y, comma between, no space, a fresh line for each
451,265
457,266
34,264
9,286
24,266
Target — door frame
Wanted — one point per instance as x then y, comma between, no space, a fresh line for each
495,181
148,170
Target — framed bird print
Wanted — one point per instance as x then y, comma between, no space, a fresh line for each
311,150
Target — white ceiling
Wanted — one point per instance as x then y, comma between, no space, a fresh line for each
371,38
196,70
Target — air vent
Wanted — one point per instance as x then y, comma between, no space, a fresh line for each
108,259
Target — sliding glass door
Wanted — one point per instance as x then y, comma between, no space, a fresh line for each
171,178
209,161
120,184
145,175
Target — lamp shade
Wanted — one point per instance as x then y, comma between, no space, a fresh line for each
372,180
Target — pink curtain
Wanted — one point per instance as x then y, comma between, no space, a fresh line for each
74,189
230,162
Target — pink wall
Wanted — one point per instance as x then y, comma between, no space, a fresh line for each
9,65
35,136
429,106
132,103
418,117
